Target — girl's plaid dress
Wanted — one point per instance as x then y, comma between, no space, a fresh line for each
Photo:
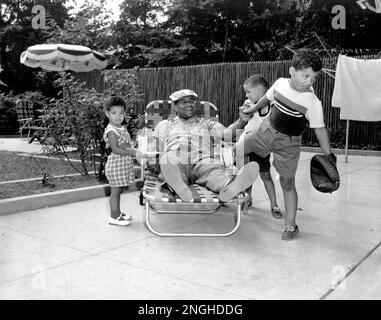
119,169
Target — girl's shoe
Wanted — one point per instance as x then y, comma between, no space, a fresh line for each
120,221
126,216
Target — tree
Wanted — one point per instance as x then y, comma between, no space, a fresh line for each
17,33
90,27
140,12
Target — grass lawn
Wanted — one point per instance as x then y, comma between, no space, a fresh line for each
18,189
15,167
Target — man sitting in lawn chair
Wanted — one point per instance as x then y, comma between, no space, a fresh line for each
187,155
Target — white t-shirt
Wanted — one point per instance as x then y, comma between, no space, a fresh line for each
296,104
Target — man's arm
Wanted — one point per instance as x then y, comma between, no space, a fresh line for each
322,136
229,133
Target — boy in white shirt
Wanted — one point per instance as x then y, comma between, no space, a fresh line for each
294,103
255,88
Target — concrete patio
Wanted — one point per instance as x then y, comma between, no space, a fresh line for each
70,252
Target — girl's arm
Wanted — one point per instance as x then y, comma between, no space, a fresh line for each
117,149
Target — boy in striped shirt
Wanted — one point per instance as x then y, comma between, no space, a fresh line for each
294,103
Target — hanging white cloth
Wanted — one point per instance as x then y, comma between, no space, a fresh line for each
357,90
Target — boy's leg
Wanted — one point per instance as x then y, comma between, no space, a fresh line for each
269,187
286,158
249,190
290,199
258,141
264,171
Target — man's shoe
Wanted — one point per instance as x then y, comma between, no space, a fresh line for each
172,176
277,214
290,232
120,221
244,179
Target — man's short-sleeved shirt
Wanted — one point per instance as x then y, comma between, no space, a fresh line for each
291,108
175,132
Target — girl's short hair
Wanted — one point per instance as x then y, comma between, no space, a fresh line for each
114,100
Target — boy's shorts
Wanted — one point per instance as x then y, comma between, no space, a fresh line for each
264,163
285,149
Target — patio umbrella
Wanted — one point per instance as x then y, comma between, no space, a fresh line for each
63,57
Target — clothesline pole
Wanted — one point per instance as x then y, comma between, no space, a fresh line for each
346,142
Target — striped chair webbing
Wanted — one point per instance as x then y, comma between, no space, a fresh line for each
200,194
24,109
159,110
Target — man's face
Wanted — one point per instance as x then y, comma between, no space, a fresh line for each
186,107
303,79
254,93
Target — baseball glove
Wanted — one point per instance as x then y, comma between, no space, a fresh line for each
324,175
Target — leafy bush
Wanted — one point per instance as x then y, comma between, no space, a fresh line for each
8,114
78,119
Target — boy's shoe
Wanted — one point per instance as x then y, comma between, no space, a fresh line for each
173,178
120,221
290,232
126,216
244,179
277,214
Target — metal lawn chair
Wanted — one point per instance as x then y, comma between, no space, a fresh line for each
25,115
159,199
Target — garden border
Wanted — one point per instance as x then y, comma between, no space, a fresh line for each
57,198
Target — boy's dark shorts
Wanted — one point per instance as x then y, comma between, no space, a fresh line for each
264,163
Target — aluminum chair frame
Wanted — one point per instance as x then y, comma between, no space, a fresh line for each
24,109
150,202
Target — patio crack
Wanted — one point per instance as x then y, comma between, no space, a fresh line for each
332,289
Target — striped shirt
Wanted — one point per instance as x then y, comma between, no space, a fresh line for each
292,109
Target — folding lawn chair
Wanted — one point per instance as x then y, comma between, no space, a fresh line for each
161,200
25,115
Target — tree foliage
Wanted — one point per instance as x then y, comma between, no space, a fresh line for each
154,33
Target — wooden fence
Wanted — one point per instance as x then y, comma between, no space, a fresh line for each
222,84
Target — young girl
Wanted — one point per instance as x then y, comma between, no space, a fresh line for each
119,166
